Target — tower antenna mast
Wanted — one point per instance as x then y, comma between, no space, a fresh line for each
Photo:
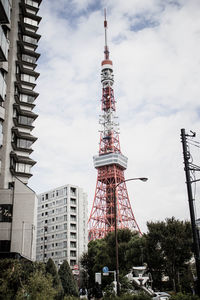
106,51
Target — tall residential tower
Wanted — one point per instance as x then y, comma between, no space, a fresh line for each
19,23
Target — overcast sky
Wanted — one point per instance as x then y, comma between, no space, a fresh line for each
155,49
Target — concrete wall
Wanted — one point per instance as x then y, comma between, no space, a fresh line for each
23,235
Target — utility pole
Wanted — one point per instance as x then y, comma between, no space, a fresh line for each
186,156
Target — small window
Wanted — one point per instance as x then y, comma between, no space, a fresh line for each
6,212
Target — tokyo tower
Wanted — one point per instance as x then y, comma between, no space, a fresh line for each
110,164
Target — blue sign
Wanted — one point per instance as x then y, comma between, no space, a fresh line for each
105,270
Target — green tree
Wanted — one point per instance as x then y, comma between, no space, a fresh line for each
20,279
67,279
39,287
102,253
168,250
57,285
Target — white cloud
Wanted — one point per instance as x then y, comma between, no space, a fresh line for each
157,88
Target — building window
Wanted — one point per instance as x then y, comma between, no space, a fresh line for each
22,143
30,21
6,212
23,168
73,235
73,253
72,262
73,191
31,3
73,209
28,58
23,120
73,244
73,226
26,98
73,218
29,39
4,246
31,11
28,78
73,201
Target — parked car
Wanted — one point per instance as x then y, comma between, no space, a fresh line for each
161,296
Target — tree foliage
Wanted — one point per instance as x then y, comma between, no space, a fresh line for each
57,285
22,279
168,250
68,282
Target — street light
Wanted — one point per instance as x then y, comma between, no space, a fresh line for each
144,179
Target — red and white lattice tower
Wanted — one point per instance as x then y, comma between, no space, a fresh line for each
110,164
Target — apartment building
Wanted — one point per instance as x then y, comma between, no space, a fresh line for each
62,225
19,22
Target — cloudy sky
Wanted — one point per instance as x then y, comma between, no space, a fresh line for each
155,49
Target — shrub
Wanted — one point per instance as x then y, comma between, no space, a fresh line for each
181,296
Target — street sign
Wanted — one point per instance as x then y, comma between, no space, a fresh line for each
98,277
75,272
105,270
75,267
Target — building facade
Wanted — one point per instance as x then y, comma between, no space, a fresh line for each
62,225
19,23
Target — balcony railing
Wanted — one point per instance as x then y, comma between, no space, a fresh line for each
4,11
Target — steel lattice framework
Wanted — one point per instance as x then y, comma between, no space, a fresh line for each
110,164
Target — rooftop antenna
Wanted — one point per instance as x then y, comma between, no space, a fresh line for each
106,51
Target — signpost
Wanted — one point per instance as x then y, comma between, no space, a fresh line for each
105,271
98,277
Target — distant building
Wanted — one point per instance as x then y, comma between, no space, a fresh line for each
62,225
19,23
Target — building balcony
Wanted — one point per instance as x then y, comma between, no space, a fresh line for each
29,71
2,88
21,165
3,46
21,90
22,141
4,11
29,52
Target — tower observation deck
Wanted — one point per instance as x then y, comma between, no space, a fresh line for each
110,164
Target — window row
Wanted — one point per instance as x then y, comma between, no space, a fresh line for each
29,39
23,168
28,78
57,193
29,58
24,120
23,143
26,98
31,11
52,220
32,3
30,21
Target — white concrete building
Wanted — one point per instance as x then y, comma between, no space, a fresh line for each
62,225
19,22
